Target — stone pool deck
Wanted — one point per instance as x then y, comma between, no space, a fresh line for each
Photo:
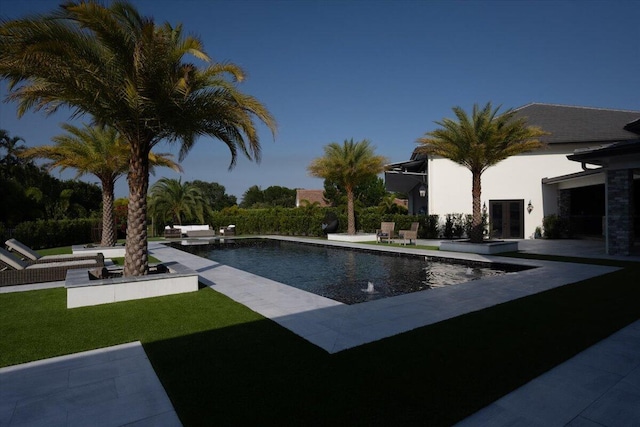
334,326
600,386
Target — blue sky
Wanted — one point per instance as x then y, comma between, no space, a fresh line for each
381,70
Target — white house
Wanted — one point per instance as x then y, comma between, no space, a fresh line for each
570,177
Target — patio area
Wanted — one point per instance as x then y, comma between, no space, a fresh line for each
599,385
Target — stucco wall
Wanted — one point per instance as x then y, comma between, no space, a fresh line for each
518,177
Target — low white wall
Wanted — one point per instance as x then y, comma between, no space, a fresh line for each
185,228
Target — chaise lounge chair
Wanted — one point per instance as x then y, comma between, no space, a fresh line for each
386,232
14,271
411,234
31,256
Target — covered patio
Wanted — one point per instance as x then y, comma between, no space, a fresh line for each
618,169
410,178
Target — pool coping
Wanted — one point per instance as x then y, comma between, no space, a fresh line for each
335,326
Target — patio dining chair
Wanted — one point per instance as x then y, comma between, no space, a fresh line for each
411,234
386,232
14,271
29,255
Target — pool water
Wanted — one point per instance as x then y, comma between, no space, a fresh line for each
346,275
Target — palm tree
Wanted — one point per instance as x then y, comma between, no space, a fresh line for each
13,147
174,201
479,142
129,73
348,165
98,151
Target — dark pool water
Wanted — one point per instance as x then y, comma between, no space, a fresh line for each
345,275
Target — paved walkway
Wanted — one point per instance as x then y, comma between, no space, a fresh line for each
113,386
600,386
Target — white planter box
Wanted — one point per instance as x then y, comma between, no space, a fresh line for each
107,251
81,291
342,237
479,248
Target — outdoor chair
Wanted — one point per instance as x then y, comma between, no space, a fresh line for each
411,234
229,230
31,256
386,232
14,271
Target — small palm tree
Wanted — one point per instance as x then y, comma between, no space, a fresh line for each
98,151
348,165
129,73
13,146
479,142
173,201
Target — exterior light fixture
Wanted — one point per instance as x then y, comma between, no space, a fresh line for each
423,191
529,207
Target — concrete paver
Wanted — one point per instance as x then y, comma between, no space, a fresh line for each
112,386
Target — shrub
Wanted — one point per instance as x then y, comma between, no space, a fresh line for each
455,226
555,227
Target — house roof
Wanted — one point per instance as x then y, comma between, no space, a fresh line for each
310,195
634,126
630,150
568,124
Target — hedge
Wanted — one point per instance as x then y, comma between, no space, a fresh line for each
282,221
55,233
308,222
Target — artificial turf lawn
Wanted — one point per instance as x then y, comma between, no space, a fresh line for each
223,364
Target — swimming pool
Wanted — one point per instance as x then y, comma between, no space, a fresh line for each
350,276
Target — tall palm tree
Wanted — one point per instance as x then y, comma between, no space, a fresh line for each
173,201
129,73
98,151
479,142
348,165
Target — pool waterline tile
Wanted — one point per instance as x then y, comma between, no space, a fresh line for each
345,326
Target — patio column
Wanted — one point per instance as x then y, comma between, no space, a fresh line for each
619,194
564,204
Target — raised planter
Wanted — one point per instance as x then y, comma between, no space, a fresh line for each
107,251
360,237
487,248
83,291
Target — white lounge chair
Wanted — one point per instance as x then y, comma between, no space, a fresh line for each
28,254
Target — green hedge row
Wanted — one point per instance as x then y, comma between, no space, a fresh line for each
282,221
55,233
308,222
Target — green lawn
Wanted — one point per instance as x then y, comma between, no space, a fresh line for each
223,364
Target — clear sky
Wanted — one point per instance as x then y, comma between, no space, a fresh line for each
381,70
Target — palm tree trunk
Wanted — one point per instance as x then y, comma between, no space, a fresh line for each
476,222
108,218
136,262
351,216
